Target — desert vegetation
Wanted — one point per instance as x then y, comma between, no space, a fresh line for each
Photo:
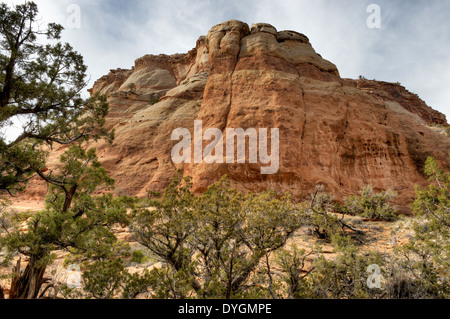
226,244
220,244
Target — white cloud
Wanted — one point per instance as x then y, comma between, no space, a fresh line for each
412,46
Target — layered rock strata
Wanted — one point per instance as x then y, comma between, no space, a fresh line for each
341,133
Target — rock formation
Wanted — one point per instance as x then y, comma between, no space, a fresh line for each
341,133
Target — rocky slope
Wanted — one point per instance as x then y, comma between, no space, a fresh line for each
341,133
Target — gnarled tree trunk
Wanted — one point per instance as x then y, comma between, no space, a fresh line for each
27,284
2,294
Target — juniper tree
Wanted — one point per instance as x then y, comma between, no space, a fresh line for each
371,205
41,80
428,253
212,246
80,224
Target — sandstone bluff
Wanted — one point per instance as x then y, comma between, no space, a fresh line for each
341,133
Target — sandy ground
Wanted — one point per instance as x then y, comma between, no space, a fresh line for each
22,206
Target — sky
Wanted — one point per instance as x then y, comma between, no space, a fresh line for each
410,45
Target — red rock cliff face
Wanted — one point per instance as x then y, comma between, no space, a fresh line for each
338,132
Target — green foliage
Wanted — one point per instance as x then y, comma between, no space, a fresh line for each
212,245
220,244
40,84
294,274
73,218
323,224
137,284
374,206
109,279
434,202
338,277
139,257
102,279
344,276
164,227
168,283
233,238
428,253
154,101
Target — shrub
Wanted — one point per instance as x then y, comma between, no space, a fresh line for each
323,224
139,257
154,100
212,245
429,251
371,205
344,276
103,278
